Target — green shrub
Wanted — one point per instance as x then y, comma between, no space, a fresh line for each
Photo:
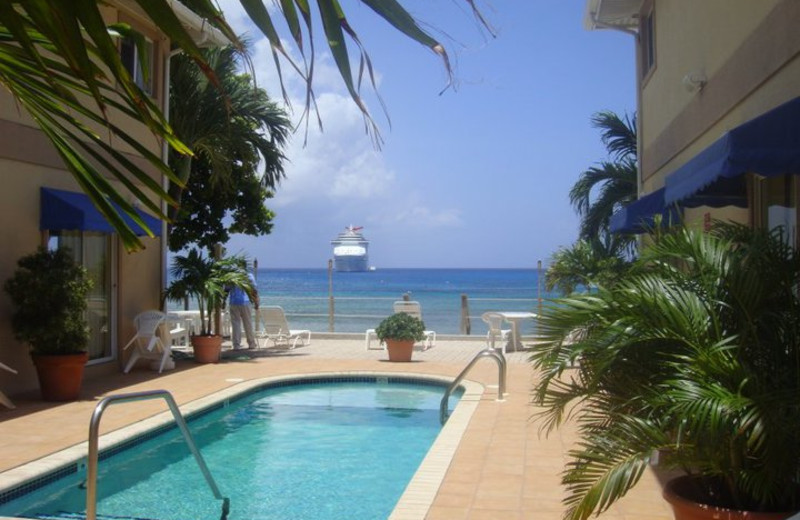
694,356
49,291
402,327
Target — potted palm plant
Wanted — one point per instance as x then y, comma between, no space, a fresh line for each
400,331
692,359
49,291
206,280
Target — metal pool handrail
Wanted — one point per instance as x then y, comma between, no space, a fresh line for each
94,427
493,353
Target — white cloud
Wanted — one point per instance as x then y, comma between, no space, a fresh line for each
337,176
338,163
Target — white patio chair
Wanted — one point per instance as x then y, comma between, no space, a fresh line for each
191,318
496,331
415,309
369,336
147,341
179,329
274,327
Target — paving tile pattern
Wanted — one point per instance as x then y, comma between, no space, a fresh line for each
500,468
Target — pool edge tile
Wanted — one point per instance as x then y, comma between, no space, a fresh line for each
418,497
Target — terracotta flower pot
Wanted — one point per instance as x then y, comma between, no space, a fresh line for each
399,350
60,376
678,492
207,349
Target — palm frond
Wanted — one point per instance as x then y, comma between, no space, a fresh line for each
695,352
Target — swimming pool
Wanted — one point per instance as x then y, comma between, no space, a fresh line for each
277,450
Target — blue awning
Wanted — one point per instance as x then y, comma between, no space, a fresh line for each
68,210
768,145
639,216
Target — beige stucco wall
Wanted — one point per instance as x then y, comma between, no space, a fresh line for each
138,274
750,55
12,112
28,162
696,40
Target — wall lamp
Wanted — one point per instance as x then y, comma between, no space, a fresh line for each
694,81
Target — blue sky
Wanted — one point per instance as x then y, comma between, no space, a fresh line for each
478,176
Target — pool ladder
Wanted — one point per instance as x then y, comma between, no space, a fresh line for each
94,426
490,352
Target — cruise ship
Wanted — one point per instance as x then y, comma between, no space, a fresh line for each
350,250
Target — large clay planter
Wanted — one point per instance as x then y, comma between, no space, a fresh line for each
207,349
399,350
60,376
678,489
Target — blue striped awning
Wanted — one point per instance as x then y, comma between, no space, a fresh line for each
639,216
68,210
768,145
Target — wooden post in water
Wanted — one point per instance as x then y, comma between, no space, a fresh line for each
466,327
258,298
330,296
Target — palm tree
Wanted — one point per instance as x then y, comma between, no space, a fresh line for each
616,179
694,357
599,257
207,280
237,119
238,131
587,263
56,54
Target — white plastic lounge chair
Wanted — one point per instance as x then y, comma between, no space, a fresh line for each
408,307
496,331
415,309
147,340
369,336
274,327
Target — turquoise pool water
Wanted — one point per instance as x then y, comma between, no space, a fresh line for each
328,450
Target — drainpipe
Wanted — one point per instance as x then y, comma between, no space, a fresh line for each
632,32
165,159
205,35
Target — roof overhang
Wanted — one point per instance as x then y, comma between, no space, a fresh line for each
201,31
612,14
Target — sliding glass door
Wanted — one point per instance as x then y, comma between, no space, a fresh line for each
94,251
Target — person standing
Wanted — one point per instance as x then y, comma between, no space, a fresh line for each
241,317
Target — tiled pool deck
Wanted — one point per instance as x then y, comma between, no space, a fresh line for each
499,468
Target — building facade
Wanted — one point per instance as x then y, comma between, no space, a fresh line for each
718,108
43,205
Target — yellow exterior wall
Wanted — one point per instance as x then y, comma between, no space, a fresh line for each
28,162
749,53
696,39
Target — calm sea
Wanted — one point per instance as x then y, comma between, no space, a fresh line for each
361,300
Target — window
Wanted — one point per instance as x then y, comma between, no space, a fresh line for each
648,43
93,251
778,205
136,63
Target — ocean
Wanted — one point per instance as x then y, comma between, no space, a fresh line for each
362,299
